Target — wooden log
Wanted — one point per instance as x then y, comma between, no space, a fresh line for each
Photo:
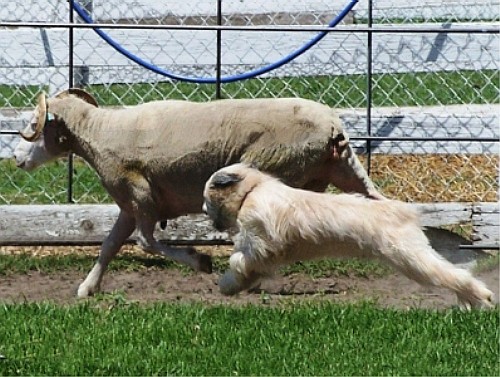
90,224
440,214
486,224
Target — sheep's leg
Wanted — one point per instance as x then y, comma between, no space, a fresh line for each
240,276
348,174
123,228
423,264
184,255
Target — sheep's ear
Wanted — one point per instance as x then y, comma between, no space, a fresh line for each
80,93
225,180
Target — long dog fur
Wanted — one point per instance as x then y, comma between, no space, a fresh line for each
278,225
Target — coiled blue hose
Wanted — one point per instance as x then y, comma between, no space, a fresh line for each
211,80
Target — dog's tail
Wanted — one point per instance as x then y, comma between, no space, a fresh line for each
420,262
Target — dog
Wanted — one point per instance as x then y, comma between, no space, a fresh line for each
277,225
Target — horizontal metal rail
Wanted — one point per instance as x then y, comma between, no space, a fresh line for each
425,138
480,247
338,29
195,242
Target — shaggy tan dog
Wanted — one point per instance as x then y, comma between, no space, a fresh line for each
279,225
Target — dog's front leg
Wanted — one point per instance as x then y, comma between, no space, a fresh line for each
239,277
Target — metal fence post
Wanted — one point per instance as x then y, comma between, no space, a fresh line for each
369,89
70,85
218,53
82,77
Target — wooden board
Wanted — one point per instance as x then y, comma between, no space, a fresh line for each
89,224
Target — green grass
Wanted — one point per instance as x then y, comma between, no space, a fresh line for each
405,89
336,267
441,88
23,96
487,263
49,184
302,339
25,262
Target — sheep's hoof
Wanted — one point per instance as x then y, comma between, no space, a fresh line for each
205,263
84,292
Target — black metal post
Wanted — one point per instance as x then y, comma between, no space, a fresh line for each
369,89
219,55
70,85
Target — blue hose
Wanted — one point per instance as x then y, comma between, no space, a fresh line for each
211,80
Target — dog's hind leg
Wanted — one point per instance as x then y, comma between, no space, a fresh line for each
420,262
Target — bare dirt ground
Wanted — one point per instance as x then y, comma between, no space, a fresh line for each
172,285
396,174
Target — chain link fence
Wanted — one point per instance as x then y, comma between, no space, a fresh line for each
428,100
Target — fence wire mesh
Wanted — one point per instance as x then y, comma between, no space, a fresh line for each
435,85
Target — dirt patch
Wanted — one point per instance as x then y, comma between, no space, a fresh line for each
171,285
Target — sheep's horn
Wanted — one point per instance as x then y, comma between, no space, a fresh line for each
42,117
80,93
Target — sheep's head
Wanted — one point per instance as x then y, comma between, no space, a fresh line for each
43,140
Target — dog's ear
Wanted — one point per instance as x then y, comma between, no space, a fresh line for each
225,180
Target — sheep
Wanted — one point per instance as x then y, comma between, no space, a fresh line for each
277,225
154,158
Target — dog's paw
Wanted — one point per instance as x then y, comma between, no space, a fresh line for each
229,284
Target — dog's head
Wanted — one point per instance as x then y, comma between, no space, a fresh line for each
226,191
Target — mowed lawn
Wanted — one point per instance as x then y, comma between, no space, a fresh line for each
116,337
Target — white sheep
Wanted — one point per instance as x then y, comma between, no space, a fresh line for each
155,158
278,225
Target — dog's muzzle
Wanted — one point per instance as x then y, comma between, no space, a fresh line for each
218,219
